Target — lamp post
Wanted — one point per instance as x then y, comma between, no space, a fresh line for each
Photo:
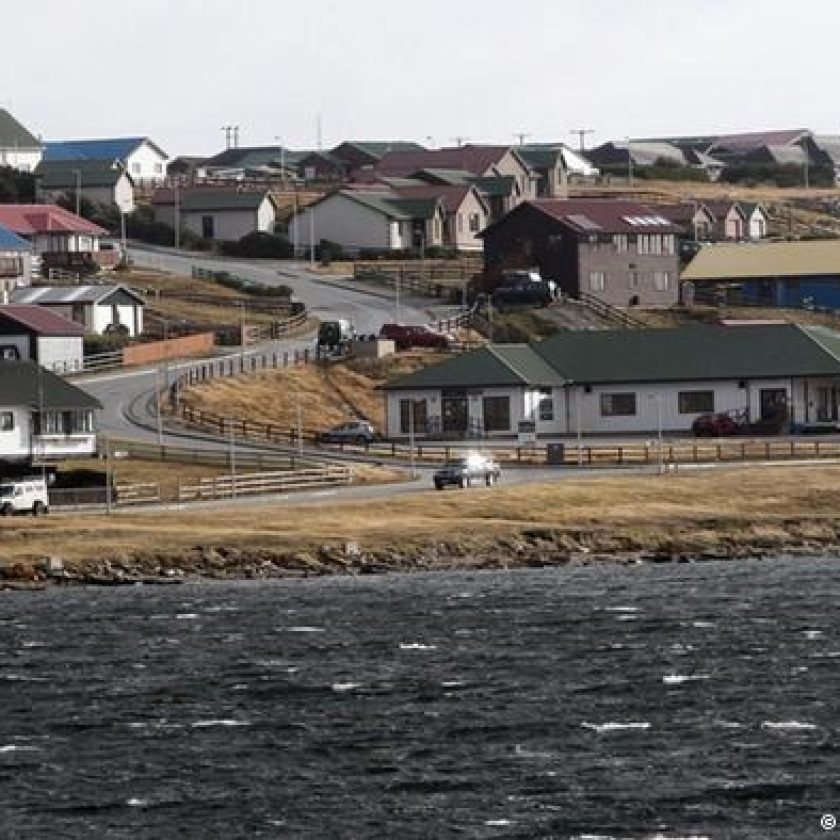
411,437
312,235
78,174
177,215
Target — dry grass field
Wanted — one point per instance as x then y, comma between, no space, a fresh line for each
770,507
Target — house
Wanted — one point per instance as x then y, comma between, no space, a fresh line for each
757,220
354,155
42,417
370,219
35,333
15,262
608,382
620,157
768,273
622,252
694,219
101,182
486,165
140,157
19,148
555,164
735,146
730,219
321,167
253,163
216,213
824,150
60,239
99,309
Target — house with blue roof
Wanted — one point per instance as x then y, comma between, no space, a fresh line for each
15,262
140,157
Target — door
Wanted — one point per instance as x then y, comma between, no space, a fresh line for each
826,404
455,412
772,404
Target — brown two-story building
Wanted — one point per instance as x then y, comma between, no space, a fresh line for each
622,252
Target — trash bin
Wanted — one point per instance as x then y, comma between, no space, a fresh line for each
555,453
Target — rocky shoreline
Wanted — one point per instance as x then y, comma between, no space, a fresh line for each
536,547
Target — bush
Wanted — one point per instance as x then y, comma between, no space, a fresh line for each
327,251
785,175
259,245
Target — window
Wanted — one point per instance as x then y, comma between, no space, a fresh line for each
661,281
207,227
475,222
643,243
546,405
696,402
496,414
620,242
158,168
420,417
135,168
634,279
7,421
597,281
618,405
669,245
460,223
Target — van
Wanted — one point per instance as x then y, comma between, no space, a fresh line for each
24,495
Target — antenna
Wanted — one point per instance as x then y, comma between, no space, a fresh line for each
521,135
228,129
581,133
459,141
319,132
236,137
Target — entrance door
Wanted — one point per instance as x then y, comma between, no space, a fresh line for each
773,406
826,404
455,413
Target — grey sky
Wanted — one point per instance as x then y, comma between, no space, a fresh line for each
178,70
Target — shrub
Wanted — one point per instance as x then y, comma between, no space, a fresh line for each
259,245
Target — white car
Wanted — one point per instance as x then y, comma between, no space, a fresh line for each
27,495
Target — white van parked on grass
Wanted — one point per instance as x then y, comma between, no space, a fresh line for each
24,495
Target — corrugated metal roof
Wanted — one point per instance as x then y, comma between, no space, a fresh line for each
62,174
698,353
13,135
495,365
29,219
40,320
46,295
111,148
475,159
12,242
22,383
765,259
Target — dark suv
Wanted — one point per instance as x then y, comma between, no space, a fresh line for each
463,472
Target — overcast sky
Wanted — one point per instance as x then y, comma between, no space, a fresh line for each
179,70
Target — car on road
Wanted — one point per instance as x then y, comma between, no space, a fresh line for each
405,337
523,291
28,495
466,471
354,431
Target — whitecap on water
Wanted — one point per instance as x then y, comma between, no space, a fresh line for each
347,686
497,822
186,616
790,725
678,679
452,683
134,802
10,748
416,646
207,724
304,629
813,634
615,726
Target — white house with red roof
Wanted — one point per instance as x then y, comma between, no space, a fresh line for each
60,238
40,335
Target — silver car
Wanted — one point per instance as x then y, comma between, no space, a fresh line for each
354,431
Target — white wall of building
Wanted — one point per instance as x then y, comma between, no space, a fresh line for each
345,221
60,353
24,160
15,442
228,225
146,165
465,239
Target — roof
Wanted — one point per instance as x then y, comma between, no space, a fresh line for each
693,353
451,196
740,143
475,159
114,148
388,203
46,295
62,174
593,216
13,135
212,198
722,207
246,156
765,259
778,154
549,155
444,176
682,212
29,219
39,320
828,145
25,384
12,242
644,153
378,148
495,365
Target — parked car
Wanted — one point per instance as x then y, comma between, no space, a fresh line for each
406,337
333,335
464,471
727,423
354,431
524,290
27,495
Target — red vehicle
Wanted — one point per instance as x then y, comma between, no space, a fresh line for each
405,337
728,423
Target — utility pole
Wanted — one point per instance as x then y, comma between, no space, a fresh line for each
228,129
521,135
236,137
459,140
177,218
581,134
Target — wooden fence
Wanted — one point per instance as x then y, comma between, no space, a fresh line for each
249,484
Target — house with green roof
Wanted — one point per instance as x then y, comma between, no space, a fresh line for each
102,182
216,213
618,382
19,148
374,218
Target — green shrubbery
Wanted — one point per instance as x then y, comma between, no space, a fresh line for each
259,245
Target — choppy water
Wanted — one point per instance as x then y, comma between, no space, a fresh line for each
657,702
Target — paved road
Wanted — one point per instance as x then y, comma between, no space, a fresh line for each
324,298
